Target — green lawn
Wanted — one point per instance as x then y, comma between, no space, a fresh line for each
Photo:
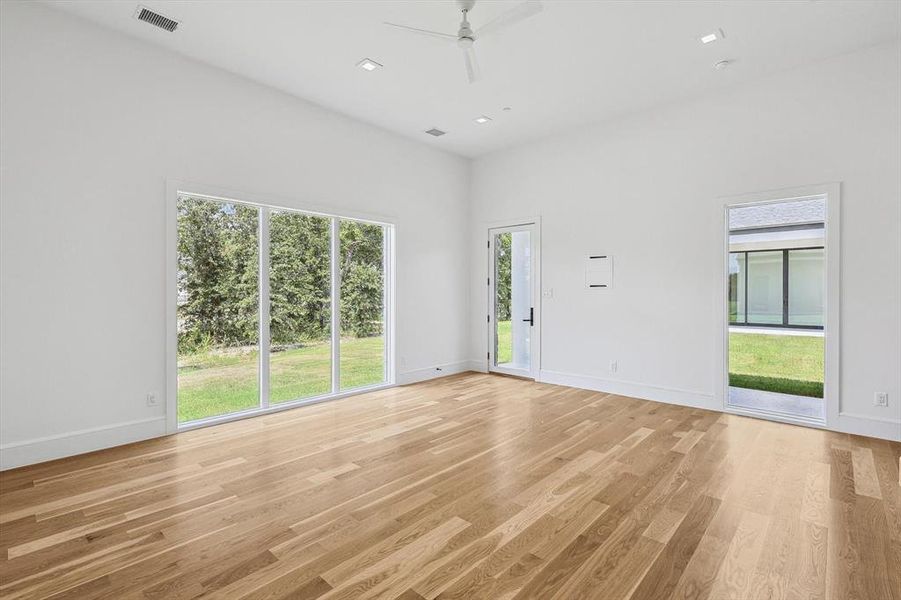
790,364
214,384
504,342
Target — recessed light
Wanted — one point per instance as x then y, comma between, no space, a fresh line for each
482,120
712,36
723,64
435,132
507,108
367,64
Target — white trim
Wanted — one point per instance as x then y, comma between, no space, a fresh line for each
36,450
887,429
832,329
279,407
390,281
533,225
335,276
878,427
632,389
276,202
424,374
264,341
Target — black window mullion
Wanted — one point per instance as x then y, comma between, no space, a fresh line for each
785,287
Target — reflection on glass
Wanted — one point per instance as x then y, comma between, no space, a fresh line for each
805,287
361,260
218,295
765,287
737,287
300,360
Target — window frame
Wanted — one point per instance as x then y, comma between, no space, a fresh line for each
786,282
265,205
836,418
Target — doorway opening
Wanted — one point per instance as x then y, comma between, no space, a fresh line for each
512,307
776,308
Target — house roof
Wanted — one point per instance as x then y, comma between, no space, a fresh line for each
778,214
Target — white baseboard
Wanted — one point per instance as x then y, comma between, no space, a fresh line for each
417,375
28,452
634,390
886,429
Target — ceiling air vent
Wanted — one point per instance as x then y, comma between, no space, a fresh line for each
143,13
435,132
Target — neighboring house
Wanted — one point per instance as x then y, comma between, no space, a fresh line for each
776,260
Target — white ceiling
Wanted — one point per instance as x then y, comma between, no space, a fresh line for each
577,61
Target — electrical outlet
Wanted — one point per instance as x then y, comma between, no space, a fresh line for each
613,366
548,293
880,399
152,399
403,361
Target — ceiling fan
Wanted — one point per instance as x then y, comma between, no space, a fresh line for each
466,36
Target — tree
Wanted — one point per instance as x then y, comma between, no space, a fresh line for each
502,283
362,278
218,277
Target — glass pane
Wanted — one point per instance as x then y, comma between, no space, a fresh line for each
218,312
513,300
805,287
300,360
765,287
362,251
737,287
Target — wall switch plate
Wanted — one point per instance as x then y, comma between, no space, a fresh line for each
152,399
548,293
880,399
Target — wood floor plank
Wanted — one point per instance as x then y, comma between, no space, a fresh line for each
469,486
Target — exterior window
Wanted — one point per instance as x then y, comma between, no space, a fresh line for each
300,333
261,317
805,289
362,266
218,321
764,287
737,287
777,288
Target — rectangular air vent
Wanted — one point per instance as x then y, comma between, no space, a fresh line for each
435,132
143,13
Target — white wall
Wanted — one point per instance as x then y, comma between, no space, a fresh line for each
645,189
93,123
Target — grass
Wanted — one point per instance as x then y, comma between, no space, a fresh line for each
215,383
788,364
504,342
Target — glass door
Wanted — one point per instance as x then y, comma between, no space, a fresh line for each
511,319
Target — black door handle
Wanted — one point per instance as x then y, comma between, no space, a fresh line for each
531,319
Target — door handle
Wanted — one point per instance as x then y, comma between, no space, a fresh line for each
531,319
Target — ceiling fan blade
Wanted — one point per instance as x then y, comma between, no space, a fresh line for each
518,13
472,65
434,34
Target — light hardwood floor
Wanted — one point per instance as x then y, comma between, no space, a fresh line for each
471,486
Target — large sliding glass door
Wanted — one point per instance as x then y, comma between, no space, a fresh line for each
311,290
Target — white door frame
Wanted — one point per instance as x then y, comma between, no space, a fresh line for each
533,225
831,329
